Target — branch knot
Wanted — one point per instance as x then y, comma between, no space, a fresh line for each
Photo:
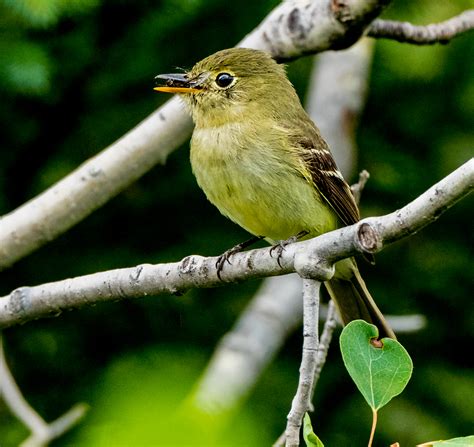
19,301
367,239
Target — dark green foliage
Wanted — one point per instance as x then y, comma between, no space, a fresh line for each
76,75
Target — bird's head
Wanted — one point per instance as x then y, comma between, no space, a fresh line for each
229,82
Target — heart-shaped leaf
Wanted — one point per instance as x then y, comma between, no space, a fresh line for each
380,369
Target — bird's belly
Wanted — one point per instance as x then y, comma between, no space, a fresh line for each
259,192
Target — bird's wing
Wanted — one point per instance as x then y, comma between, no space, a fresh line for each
329,181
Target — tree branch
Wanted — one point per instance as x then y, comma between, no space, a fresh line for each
41,432
302,400
326,337
297,27
406,32
320,359
310,259
14,399
293,28
358,187
56,428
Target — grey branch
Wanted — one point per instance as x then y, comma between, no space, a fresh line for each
292,29
298,27
56,428
41,432
302,400
406,32
358,187
310,259
320,359
326,337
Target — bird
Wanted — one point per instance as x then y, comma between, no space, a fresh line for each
264,164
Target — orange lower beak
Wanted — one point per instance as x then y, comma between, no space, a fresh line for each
176,89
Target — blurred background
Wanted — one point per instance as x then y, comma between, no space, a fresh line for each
77,74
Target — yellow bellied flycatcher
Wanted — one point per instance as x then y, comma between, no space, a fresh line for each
263,163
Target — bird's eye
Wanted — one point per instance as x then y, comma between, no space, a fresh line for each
224,79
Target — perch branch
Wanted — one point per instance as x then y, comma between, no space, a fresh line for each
367,236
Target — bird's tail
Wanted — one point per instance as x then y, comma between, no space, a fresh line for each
353,300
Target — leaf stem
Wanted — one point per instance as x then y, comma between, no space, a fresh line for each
374,424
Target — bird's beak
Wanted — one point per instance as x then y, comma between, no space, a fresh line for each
177,83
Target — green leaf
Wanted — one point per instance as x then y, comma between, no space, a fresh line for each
468,441
309,436
380,373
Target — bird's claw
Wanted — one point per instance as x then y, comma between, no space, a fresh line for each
223,258
279,247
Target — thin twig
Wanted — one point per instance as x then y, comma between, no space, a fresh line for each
15,400
358,187
302,400
41,432
324,342
323,348
406,32
58,427
280,442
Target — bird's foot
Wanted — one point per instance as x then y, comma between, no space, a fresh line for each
225,257
279,247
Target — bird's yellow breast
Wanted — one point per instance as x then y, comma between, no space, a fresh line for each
252,177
